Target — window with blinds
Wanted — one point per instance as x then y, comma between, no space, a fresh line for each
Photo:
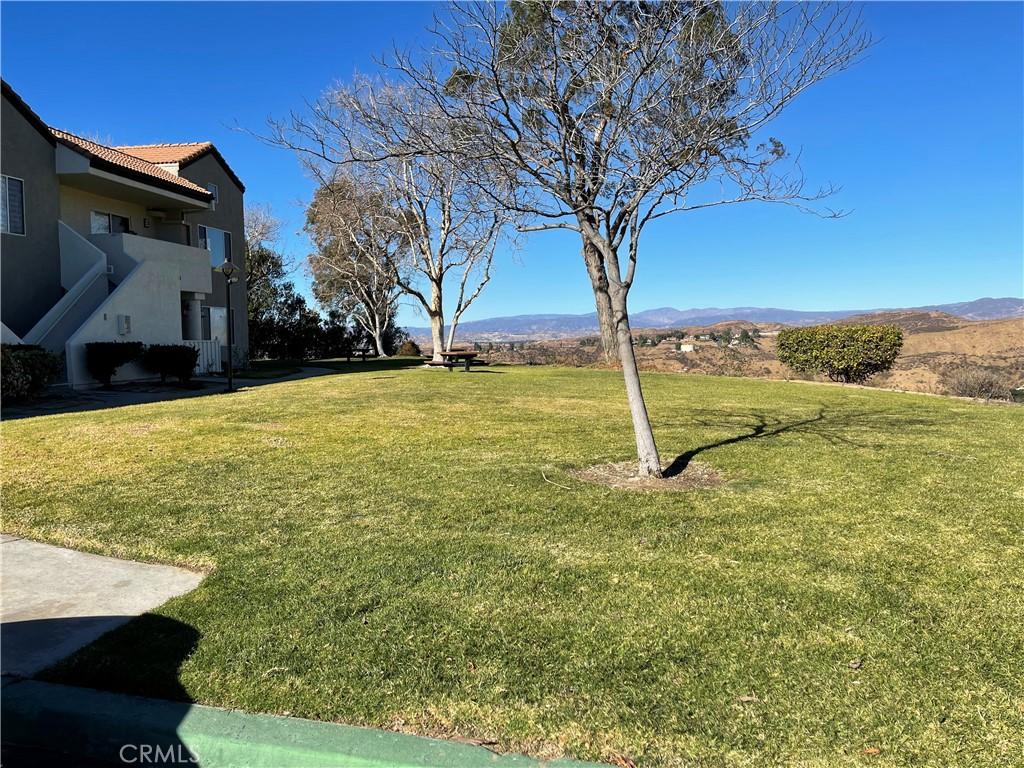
12,206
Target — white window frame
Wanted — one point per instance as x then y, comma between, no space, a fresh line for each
24,213
110,229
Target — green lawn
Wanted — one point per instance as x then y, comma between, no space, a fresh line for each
385,550
277,369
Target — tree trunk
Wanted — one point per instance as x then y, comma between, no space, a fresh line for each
437,335
646,449
602,301
378,341
451,334
436,313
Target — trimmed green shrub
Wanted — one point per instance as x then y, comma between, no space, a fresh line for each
847,353
409,348
27,370
16,383
178,360
103,358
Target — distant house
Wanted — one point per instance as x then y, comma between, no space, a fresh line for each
108,243
685,347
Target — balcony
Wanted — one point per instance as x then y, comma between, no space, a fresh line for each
125,251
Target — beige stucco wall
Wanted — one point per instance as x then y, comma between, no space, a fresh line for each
150,296
76,206
192,265
229,215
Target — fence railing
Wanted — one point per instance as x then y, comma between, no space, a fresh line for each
209,355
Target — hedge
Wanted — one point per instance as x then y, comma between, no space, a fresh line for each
103,358
178,360
847,353
409,348
26,370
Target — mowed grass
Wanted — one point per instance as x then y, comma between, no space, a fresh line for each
405,549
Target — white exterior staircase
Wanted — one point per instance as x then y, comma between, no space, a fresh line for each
122,287
84,274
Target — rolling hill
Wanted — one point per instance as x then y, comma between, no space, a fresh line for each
554,326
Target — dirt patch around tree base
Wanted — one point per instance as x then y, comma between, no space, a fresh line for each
623,475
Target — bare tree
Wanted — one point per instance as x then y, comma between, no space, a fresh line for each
262,228
451,225
359,252
607,116
265,264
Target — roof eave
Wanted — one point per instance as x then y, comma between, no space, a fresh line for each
118,170
212,149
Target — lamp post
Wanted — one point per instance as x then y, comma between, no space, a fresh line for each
228,270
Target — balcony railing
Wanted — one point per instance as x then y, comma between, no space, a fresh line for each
193,264
83,271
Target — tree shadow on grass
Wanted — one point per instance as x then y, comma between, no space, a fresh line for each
141,657
460,369
832,427
371,365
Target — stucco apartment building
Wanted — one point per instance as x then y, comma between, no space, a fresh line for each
104,243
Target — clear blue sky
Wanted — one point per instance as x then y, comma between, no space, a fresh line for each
925,138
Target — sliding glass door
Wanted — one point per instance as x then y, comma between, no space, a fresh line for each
217,242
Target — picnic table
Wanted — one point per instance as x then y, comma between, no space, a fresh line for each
363,352
454,357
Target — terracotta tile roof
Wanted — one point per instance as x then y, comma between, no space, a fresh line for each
167,153
141,162
119,161
181,153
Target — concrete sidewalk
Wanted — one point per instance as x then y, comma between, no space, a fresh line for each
55,601
63,399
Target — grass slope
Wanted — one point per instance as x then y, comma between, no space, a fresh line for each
386,551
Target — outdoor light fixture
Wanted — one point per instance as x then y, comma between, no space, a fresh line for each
228,270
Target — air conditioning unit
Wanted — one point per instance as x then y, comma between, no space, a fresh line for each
124,325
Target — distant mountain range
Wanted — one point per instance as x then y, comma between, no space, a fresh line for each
555,326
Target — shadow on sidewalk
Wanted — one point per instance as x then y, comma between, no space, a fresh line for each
57,725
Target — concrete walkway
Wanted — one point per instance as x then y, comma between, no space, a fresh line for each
55,601
63,399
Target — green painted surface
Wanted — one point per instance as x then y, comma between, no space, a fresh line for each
94,725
